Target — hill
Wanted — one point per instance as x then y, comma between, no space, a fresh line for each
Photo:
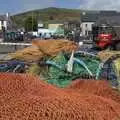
48,14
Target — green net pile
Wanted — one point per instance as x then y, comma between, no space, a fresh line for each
56,71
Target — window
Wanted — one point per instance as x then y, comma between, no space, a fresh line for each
105,30
2,22
86,32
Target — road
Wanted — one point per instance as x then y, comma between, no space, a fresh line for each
9,48
5,49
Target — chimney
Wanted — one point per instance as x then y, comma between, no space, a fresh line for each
7,15
7,18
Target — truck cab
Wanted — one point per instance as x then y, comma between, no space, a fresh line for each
104,36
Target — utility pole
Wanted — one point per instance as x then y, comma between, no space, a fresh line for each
32,21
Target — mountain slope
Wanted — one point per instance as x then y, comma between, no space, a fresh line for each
47,14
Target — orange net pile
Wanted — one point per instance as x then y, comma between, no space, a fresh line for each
43,48
24,97
99,88
105,55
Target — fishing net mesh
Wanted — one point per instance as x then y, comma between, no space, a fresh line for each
26,97
61,78
44,48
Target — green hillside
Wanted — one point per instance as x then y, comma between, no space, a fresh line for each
48,14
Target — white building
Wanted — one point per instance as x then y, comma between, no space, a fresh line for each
4,21
86,28
87,21
101,17
42,31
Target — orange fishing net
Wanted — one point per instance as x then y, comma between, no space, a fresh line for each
100,88
43,48
24,97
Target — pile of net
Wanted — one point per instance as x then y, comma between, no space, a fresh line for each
12,66
55,70
26,97
117,70
105,55
111,66
44,48
117,67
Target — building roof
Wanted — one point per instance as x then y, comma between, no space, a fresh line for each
108,13
89,17
112,20
3,18
72,22
110,17
56,22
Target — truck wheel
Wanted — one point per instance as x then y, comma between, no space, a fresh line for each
110,48
118,46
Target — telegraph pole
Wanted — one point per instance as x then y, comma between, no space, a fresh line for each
32,21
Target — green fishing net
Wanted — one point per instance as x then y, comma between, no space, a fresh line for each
57,74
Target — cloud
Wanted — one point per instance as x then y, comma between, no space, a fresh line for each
36,4
100,4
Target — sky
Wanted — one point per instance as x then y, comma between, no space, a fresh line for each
18,6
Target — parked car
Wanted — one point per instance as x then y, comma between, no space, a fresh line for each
47,35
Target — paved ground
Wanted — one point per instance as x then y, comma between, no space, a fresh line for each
5,49
2,56
8,49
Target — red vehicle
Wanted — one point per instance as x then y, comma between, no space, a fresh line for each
105,36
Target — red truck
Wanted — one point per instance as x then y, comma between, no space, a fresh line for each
106,36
